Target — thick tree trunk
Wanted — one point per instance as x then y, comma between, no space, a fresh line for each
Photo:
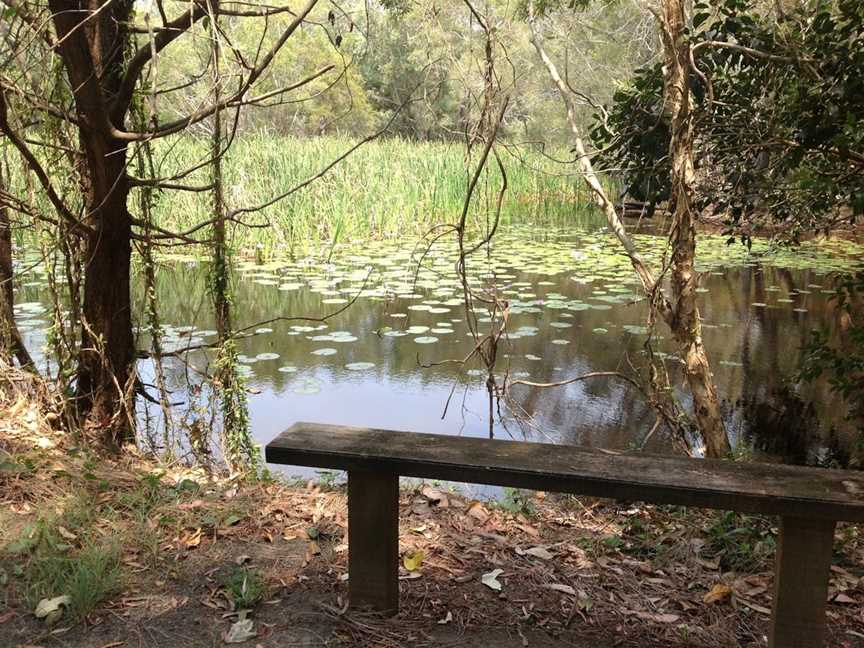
106,360
93,37
686,322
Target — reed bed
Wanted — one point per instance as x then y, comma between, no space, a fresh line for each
386,188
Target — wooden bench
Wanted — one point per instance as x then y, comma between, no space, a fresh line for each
809,501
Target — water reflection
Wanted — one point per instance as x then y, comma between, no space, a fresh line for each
571,314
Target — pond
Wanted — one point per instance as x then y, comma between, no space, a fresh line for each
388,359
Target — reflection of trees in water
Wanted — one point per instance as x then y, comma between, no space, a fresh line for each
762,342
766,408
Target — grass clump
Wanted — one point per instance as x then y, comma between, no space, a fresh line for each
244,586
62,556
743,543
517,502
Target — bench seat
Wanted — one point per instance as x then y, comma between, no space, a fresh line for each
808,500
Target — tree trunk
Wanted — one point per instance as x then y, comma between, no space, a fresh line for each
682,316
93,36
686,322
105,363
11,344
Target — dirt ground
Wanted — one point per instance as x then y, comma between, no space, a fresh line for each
573,572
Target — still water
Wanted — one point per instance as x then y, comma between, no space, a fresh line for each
391,357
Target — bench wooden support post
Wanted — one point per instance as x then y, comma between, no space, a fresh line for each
373,545
801,583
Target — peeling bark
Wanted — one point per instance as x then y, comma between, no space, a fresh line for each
681,314
686,323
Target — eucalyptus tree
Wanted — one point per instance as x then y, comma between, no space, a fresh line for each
679,310
89,64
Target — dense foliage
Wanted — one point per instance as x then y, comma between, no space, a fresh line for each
778,103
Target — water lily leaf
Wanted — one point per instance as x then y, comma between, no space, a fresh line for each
491,581
326,351
426,339
359,366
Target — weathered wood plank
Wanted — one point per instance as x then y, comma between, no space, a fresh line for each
373,540
790,491
801,583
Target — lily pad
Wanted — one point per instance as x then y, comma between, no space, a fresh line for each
326,351
359,366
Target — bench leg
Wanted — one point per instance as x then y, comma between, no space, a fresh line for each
801,583
373,541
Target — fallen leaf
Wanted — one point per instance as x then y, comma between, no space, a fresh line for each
491,581
538,552
412,562
242,630
719,593
477,511
435,496
665,618
564,589
757,608
411,576
66,533
193,539
656,617
530,530
51,609
843,598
